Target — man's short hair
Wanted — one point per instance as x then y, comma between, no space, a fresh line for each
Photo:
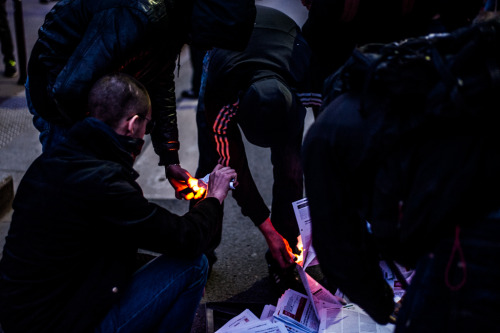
116,96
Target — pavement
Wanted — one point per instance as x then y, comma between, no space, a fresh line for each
240,275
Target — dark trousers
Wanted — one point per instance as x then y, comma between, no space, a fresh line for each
287,176
287,168
5,34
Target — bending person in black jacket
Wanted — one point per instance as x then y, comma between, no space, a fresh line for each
263,91
79,219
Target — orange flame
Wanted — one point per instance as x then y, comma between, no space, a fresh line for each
198,192
190,189
299,258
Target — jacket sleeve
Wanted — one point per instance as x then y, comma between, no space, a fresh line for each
185,236
149,226
165,136
102,49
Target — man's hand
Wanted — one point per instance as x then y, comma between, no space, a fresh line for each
279,247
178,178
218,185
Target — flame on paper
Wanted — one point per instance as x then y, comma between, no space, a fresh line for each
299,258
190,186
198,192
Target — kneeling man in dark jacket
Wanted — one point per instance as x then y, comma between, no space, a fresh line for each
79,219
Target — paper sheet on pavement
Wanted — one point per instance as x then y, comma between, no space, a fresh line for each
247,322
350,318
241,319
267,312
297,310
258,326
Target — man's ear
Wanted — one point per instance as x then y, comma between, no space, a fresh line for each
132,124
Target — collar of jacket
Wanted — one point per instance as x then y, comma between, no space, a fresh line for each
99,139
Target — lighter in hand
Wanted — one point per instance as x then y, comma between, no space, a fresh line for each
203,182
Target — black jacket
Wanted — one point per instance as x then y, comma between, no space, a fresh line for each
81,40
79,218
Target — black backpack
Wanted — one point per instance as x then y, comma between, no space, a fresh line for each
446,75
426,88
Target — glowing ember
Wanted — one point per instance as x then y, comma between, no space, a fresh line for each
190,189
198,192
193,184
299,259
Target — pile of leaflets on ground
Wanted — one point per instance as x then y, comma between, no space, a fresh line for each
318,310
295,313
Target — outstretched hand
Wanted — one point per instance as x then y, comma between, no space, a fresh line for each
279,247
178,178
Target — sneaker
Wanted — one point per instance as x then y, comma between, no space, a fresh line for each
283,279
10,69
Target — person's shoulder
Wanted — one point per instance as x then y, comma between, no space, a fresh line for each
152,9
268,17
101,178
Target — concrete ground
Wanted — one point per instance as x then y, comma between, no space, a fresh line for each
240,274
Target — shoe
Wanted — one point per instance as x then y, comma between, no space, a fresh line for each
283,279
189,94
10,69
